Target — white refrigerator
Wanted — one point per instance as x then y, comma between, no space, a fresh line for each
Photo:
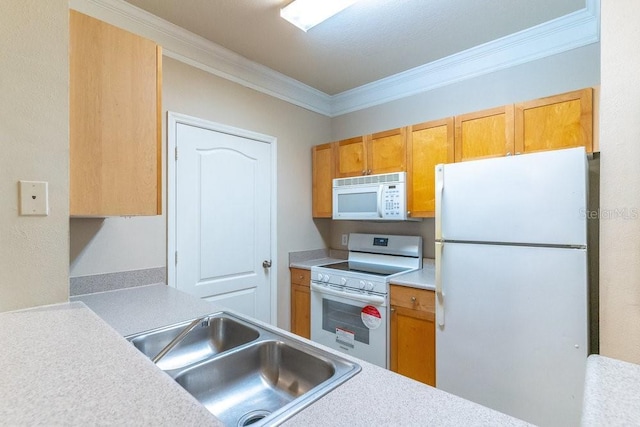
511,283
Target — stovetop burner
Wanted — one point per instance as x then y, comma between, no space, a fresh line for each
360,267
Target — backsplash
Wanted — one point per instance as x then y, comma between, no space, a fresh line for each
111,281
424,228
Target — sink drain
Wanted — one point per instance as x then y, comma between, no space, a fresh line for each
253,417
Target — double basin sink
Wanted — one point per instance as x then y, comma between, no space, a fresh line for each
244,373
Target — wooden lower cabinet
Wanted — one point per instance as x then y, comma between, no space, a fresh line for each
413,333
301,302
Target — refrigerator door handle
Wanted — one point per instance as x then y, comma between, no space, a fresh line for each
439,190
439,293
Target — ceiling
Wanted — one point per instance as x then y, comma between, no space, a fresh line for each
367,42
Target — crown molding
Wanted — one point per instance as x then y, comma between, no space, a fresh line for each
568,32
559,35
187,47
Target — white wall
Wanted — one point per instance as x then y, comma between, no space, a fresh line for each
620,181
34,136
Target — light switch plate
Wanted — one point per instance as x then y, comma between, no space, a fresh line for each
345,239
34,198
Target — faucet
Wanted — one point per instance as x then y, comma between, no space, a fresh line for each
178,339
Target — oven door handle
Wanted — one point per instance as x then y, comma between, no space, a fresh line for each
371,299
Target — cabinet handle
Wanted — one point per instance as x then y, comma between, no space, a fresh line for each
413,300
393,309
369,172
364,172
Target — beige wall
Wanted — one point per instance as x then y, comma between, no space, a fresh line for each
196,93
620,181
568,71
574,69
120,244
34,118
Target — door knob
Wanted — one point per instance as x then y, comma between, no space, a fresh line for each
266,264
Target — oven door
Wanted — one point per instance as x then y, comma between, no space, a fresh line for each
354,323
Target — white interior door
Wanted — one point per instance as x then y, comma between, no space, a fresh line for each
223,216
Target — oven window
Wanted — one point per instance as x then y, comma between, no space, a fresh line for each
339,315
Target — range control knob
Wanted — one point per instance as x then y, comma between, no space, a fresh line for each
369,286
325,278
362,284
343,281
319,277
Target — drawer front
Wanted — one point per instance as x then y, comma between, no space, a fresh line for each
300,276
413,298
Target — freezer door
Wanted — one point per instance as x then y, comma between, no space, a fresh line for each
538,198
514,336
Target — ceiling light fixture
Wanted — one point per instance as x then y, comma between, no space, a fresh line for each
305,14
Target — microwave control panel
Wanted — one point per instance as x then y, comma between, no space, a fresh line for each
392,202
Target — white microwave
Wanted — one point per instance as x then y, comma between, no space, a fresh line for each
371,197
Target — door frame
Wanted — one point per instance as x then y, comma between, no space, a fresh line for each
173,120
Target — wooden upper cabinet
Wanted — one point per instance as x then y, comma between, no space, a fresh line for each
322,170
382,152
555,122
350,157
386,151
428,144
115,120
483,134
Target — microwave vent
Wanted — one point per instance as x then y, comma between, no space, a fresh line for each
367,179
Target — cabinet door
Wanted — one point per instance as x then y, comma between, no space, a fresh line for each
386,151
428,144
114,108
413,334
323,168
482,134
350,157
555,122
300,302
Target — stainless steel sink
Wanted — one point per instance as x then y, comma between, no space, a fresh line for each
253,375
219,334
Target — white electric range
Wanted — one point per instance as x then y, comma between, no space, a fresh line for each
350,299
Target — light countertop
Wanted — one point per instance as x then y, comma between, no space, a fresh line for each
307,264
611,393
374,396
422,279
63,365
